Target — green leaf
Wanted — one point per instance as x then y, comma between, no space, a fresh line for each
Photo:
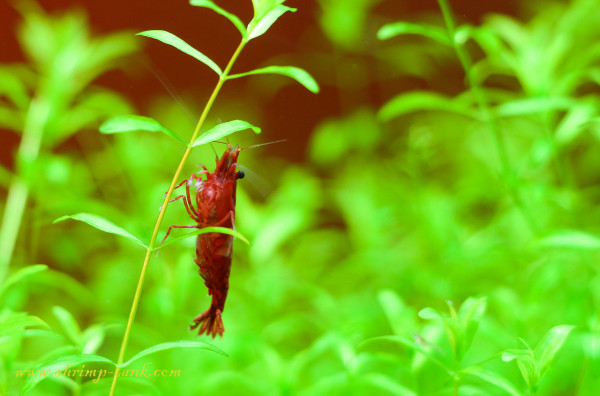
173,345
205,230
492,378
11,119
511,354
464,33
30,333
92,338
171,39
259,26
526,363
58,367
131,123
574,122
296,73
11,323
222,130
388,385
546,349
102,224
470,314
68,323
393,307
417,347
395,29
22,274
345,23
13,88
418,101
570,239
531,106
6,176
508,29
233,18
429,314
451,326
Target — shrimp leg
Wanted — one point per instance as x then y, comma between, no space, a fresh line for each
177,226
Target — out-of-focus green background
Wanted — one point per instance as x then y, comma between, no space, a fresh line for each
429,227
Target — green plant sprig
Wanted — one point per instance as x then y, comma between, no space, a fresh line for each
56,95
149,250
266,12
483,112
488,116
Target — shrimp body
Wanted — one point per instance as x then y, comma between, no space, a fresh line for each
215,206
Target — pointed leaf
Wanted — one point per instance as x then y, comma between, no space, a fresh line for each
259,27
574,122
296,73
388,385
171,39
511,354
68,323
393,307
470,314
205,230
233,18
429,313
102,224
21,274
571,239
416,346
173,345
60,365
547,348
11,323
131,123
418,101
5,175
531,106
13,88
10,119
92,338
222,130
526,363
492,378
398,28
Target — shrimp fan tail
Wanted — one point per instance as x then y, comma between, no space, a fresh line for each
210,322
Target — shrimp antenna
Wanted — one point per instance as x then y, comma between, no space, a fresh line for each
253,146
212,146
263,144
167,86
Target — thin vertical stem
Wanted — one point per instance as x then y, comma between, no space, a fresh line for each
11,222
18,192
488,116
138,291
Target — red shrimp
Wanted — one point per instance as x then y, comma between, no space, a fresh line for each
215,202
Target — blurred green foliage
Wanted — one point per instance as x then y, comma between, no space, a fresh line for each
444,243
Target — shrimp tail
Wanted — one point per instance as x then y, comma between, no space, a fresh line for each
210,322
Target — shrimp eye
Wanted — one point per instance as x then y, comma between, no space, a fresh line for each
241,174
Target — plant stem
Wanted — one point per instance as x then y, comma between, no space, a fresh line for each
18,192
138,291
488,116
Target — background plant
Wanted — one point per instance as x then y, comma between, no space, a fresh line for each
46,102
402,203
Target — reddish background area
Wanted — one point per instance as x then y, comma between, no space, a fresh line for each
292,113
